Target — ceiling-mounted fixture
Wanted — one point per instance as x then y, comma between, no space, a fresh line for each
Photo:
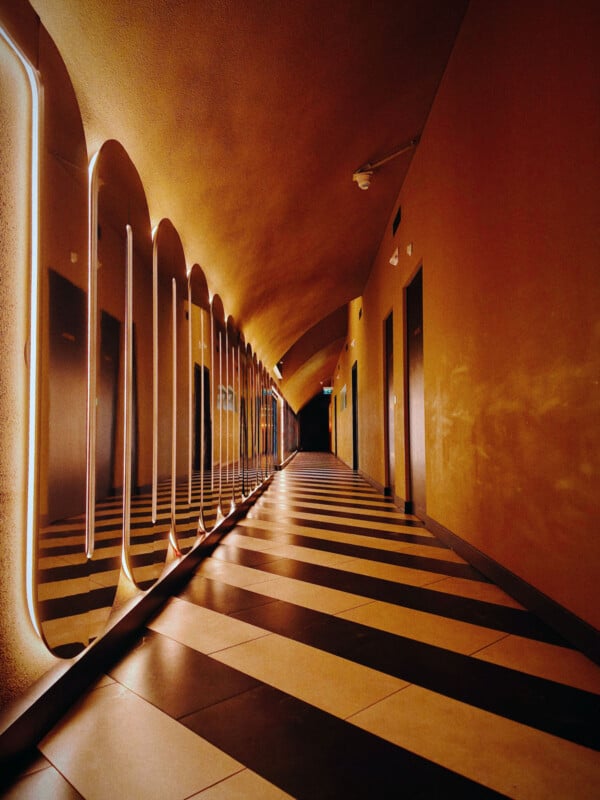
363,174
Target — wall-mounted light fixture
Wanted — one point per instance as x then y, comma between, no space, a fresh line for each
363,174
277,370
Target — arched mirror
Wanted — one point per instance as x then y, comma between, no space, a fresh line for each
245,420
239,433
183,528
204,500
257,404
218,346
122,437
229,402
250,475
168,265
70,606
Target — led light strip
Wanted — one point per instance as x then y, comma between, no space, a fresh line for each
154,374
173,529
92,343
128,402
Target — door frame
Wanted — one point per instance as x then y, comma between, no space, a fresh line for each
410,501
355,455
389,426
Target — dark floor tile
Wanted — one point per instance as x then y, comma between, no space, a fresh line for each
175,678
553,707
222,597
280,617
476,612
285,518
238,555
355,511
311,754
371,553
548,706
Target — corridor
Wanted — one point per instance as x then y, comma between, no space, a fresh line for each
330,646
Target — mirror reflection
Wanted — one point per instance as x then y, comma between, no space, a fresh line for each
158,419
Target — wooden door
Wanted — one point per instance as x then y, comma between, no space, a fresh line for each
390,450
355,416
416,394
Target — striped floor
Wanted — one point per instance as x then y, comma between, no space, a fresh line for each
76,594
331,647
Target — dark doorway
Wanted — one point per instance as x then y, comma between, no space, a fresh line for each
390,450
335,424
110,348
197,418
67,406
355,415
314,424
416,393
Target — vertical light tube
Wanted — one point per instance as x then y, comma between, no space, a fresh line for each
128,403
154,375
238,431
92,358
190,393
202,401
227,414
220,419
212,397
173,532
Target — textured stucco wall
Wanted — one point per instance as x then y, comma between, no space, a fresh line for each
501,207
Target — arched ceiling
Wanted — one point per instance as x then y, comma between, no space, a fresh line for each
246,120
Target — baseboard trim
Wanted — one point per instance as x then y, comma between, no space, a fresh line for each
576,631
375,484
403,505
26,721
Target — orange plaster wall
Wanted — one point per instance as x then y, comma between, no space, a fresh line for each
501,207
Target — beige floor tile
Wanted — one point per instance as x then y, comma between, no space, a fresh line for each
239,539
296,496
235,574
308,555
387,572
391,545
514,759
66,588
77,628
475,590
382,513
451,634
245,785
114,744
545,660
205,630
319,598
326,681
110,578
349,521
425,551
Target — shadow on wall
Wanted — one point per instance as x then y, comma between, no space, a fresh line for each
314,424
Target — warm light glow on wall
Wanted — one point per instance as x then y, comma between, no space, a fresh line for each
34,226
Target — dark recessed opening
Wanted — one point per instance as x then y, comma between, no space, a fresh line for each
396,221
